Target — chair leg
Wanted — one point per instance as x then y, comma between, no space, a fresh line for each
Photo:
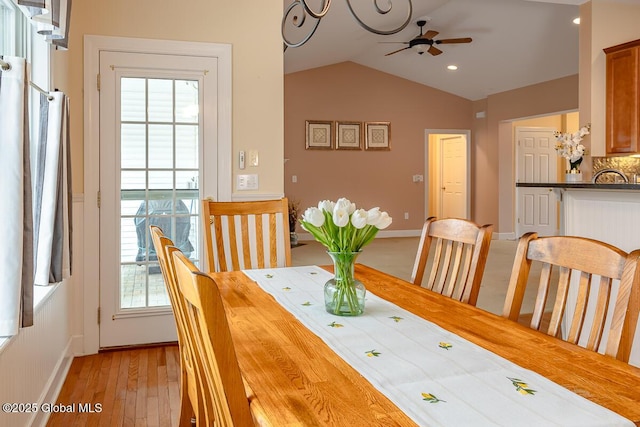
187,418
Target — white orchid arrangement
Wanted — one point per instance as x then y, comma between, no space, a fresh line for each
341,227
570,145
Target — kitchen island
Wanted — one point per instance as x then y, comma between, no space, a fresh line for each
605,212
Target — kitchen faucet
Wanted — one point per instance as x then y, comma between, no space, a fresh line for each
609,170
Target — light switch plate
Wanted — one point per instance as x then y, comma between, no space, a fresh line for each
247,182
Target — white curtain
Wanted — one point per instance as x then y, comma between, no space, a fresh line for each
52,202
50,17
16,248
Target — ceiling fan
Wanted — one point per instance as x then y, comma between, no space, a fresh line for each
425,42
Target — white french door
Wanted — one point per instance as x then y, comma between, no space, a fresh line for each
537,161
158,122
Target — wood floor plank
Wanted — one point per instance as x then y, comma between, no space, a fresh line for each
164,403
136,387
109,398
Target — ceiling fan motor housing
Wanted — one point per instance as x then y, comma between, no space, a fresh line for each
418,42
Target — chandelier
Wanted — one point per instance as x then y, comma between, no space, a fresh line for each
296,14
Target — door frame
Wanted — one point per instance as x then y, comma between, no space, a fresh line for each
91,250
427,134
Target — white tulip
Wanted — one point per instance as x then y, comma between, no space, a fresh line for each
326,205
384,222
344,203
340,217
313,216
373,216
359,218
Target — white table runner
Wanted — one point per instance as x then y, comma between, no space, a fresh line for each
434,376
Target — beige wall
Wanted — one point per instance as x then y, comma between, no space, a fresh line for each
351,92
547,98
610,22
257,65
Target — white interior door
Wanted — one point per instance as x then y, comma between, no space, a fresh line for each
152,152
453,176
537,207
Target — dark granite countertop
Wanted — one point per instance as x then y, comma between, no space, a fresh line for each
580,185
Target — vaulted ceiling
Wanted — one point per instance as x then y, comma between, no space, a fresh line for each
515,43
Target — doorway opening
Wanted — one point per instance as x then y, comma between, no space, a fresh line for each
447,168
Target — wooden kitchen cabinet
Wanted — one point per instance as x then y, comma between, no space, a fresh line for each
623,98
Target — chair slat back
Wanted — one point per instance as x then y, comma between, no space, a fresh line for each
456,262
222,384
246,235
590,267
190,400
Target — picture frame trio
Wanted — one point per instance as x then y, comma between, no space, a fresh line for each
344,135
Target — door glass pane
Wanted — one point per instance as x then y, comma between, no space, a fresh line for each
160,105
133,93
133,145
159,179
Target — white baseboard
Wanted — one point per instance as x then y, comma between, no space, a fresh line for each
504,236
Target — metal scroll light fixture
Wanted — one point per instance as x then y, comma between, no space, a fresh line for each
298,12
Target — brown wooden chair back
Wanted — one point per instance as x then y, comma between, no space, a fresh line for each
593,265
455,250
191,404
222,388
246,235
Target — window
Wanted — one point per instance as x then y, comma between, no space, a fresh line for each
19,38
12,30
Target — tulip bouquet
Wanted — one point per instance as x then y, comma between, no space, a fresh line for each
344,231
340,227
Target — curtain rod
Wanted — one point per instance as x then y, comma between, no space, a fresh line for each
7,66
42,91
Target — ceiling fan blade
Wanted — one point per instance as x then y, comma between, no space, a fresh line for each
429,34
394,42
434,50
396,51
450,41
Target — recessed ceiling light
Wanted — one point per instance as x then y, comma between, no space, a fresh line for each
452,67
576,20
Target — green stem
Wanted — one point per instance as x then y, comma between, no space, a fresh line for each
344,282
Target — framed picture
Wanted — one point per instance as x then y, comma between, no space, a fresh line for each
349,136
319,135
378,136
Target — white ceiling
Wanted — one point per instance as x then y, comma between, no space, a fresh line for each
516,43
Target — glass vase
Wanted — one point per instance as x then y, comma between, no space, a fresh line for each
344,295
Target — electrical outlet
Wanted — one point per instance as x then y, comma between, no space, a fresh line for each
294,178
406,215
253,158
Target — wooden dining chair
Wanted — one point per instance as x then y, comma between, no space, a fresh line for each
191,404
593,265
246,235
455,252
226,398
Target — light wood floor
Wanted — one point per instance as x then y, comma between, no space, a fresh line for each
137,387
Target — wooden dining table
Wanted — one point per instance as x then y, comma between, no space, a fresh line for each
300,381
